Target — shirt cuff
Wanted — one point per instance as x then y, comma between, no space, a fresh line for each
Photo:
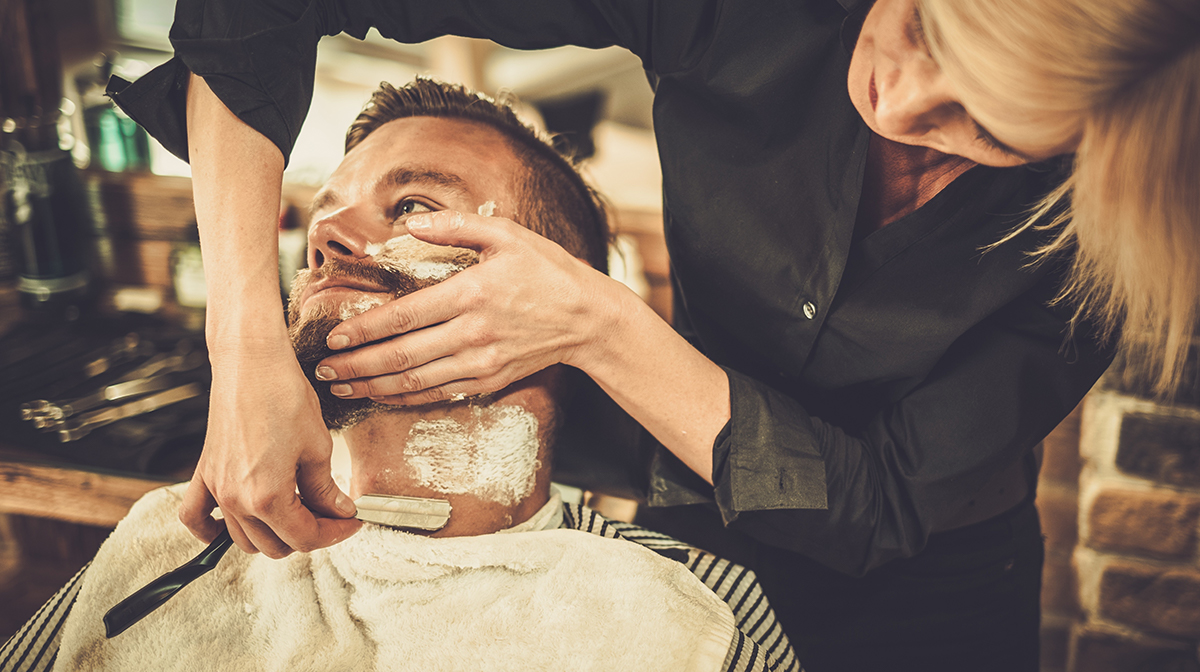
672,483
265,79
157,101
768,458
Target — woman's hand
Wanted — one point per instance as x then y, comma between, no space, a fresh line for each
265,440
265,435
527,305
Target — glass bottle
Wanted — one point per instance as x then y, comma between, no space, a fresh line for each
41,194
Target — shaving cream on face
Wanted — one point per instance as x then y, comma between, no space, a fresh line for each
420,260
493,457
359,306
487,209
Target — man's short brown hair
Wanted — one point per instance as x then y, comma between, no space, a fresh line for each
555,202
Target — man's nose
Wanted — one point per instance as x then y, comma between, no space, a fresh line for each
916,103
337,235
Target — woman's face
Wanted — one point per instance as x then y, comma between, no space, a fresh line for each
903,96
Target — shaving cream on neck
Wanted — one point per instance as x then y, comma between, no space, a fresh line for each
493,458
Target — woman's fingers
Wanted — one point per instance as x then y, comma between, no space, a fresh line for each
196,511
475,232
263,539
441,302
317,489
527,305
454,390
444,378
387,352
397,365
288,528
425,307
291,526
239,537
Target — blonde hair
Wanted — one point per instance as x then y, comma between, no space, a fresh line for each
1122,78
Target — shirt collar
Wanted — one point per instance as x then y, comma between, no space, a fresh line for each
852,24
852,6
549,517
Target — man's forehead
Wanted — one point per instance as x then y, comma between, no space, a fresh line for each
459,157
397,177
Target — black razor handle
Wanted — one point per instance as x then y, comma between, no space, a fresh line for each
138,605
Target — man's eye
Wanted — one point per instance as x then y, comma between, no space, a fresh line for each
409,207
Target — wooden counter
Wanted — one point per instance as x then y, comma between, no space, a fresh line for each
33,484
75,494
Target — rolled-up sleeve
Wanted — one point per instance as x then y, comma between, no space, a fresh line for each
855,500
259,56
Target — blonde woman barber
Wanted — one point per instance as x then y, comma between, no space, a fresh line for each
858,374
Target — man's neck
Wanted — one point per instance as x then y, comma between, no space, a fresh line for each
422,453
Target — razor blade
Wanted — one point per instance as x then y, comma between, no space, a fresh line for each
414,513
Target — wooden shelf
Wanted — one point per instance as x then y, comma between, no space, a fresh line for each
71,494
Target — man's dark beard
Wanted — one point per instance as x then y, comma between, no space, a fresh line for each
398,284
309,334
309,341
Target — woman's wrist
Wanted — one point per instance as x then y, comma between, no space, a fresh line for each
673,390
235,330
610,312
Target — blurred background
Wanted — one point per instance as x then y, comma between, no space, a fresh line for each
103,374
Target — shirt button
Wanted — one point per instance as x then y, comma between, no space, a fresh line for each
810,309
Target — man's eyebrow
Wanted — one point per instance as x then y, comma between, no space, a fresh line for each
322,200
398,177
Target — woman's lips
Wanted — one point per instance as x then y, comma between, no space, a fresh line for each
872,93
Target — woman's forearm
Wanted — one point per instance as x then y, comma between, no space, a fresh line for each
266,453
674,391
238,225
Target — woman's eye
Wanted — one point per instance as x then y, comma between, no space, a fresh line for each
409,207
987,141
918,29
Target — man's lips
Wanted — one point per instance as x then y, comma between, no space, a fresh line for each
872,93
333,286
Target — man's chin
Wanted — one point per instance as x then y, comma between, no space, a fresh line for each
308,339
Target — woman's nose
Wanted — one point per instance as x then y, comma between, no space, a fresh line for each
917,102
337,235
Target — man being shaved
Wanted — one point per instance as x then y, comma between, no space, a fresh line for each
515,580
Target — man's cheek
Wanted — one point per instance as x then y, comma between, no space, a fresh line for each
299,283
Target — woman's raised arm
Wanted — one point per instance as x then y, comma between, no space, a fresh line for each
265,435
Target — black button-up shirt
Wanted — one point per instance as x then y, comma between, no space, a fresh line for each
876,384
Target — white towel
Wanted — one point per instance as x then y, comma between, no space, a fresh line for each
388,600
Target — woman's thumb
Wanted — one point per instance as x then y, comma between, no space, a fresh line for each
321,493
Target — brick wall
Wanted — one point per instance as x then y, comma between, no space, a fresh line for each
1058,505
1137,561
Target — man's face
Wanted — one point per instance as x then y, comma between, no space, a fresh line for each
407,166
